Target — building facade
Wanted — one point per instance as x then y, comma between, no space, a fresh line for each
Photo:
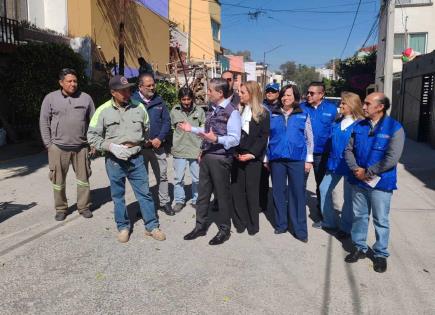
202,20
414,27
146,32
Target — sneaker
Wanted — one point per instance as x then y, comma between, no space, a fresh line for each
60,216
178,206
317,225
156,234
124,236
86,214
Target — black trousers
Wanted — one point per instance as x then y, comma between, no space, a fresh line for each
264,188
245,188
214,177
319,167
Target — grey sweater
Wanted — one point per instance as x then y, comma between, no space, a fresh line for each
64,119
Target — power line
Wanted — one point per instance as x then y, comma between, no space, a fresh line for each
351,29
372,29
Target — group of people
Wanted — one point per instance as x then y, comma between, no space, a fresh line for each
231,149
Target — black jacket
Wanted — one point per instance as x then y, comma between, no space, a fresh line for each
256,142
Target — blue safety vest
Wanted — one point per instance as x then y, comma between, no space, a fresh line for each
322,119
339,140
287,139
370,148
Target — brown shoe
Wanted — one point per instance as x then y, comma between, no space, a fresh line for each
123,236
156,234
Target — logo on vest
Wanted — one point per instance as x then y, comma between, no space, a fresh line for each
383,136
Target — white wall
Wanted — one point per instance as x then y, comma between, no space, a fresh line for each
421,19
55,13
36,12
49,14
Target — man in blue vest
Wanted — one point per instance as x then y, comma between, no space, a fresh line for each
220,137
322,115
160,124
372,154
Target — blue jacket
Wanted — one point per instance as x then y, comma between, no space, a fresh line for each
160,121
287,140
321,120
339,139
370,149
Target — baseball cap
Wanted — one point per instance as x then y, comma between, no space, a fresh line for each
272,86
119,82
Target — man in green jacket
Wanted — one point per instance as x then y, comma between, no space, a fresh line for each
119,128
186,146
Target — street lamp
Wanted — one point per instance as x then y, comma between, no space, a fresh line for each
264,62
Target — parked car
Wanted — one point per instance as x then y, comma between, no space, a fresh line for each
334,100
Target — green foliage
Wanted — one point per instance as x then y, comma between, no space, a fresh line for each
30,74
303,75
168,92
357,73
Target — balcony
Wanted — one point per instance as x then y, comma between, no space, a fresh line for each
9,31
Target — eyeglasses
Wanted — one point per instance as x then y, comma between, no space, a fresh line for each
229,79
271,91
311,93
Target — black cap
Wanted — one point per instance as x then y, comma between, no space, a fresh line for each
119,82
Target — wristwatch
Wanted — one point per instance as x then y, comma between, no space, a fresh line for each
217,140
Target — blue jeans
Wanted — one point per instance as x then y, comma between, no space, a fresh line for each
327,186
179,169
366,200
289,201
134,170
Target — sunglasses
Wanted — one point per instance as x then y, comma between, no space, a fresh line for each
229,79
311,93
271,91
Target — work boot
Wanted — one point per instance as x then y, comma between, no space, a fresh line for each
156,234
60,216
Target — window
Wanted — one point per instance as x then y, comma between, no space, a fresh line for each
216,30
416,41
399,43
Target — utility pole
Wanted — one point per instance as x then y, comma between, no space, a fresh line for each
122,37
264,63
190,31
389,48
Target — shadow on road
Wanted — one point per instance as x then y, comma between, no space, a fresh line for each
23,166
8,209
418,159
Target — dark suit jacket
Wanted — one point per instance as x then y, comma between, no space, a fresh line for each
256,142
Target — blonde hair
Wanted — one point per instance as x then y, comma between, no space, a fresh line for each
354,102
255,99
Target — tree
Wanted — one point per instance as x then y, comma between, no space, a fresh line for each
304,75
245,53
357,73
288,70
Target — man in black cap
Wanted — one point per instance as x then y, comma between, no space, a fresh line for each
119,128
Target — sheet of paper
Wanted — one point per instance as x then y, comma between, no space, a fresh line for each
374,181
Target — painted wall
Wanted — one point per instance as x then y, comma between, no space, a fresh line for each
146,33
202,44
421,19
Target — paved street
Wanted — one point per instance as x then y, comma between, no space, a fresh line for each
78,267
